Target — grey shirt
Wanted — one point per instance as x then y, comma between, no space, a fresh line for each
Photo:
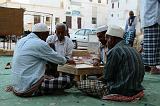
150,12
132,27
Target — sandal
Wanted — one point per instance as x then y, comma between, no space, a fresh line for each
8,66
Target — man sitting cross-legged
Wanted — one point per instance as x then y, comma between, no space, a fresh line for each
29,62
123,72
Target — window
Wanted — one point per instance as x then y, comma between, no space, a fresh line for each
48,19
94,20
79,22
80,32
107,1
99,1
111,15
88,32
37,19
94,32
112,5
118,4
57,20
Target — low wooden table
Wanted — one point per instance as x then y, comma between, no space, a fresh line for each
80,70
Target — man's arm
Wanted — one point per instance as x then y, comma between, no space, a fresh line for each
70,47
135,21
126,26
48,54
96,58
50,39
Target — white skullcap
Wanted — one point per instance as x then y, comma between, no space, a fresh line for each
116,31
101,28
40,27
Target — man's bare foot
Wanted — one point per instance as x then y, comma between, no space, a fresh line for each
9,88
155,70
48,77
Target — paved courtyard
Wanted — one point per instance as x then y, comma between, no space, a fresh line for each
74,97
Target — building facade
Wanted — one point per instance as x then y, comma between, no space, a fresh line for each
117,11
86,13
35,13
76,13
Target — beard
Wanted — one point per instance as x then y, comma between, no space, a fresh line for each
60,38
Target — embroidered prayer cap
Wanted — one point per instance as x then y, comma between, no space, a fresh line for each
40,27
116,31
102,28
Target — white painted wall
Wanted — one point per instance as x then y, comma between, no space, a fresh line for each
87,15
99,13
21,1
101,16
2,1
52,3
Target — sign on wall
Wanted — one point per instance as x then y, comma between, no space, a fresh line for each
76,13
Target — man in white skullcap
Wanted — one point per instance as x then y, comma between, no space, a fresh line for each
123,72
61,43
29,60
102,53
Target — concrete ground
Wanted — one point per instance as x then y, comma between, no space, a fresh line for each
73,97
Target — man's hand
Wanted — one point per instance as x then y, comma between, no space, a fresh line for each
101,78
96,62
48,77
71,61
52,45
